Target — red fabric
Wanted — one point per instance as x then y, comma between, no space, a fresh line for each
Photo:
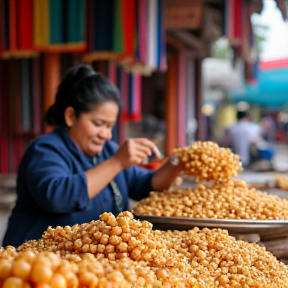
15,144
142,23
90,25
238,19
4,96
25,24
124,94
4,165
129,24
13,24
2,45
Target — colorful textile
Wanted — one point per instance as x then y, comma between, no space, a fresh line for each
2,27
130,31
25,25
238,27
103,25
142,30
20,109
41,23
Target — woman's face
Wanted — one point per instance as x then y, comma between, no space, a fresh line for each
92,129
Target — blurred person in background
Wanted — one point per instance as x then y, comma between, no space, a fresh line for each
76,173
268,128
241,136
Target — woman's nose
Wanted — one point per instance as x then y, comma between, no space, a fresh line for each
106,133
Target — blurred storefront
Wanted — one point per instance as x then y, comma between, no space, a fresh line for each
152,49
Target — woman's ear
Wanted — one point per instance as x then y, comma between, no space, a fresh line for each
69,116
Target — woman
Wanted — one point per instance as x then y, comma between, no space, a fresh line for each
76,173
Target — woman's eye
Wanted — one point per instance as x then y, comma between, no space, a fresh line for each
97,124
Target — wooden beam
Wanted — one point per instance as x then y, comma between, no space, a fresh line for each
174,43
187,39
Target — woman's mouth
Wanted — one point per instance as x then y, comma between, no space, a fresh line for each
97,143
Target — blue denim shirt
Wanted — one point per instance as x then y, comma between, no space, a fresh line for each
52,187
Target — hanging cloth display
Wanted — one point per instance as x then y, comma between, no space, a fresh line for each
2,27
142,30
55,29
123,84
134,95
4,110
25,25
152,33
41,24
76,33
25,97
56,20
129,25
103,25
13,25
36,95
118,37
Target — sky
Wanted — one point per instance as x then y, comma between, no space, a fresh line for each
276,44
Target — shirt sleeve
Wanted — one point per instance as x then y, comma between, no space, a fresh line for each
50,181
138,179
139,182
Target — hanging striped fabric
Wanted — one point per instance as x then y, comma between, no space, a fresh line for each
13,25
41,24
36,92
129,24
54,25
56,15
103,25
20,109
135,98
118,37
2,27
76,14
162,60
142,29
152,33
25,25
6,25
25,97
123,84
112,72
4,114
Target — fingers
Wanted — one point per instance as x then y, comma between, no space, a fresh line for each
135,151
150,145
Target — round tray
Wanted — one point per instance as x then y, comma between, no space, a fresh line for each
264,228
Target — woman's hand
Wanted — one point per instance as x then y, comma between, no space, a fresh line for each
134,151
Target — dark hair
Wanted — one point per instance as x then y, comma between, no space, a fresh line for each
242,114
82,89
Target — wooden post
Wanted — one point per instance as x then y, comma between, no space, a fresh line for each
199,102
51,81
181,99
172,105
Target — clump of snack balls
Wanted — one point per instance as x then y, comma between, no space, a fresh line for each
207,161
